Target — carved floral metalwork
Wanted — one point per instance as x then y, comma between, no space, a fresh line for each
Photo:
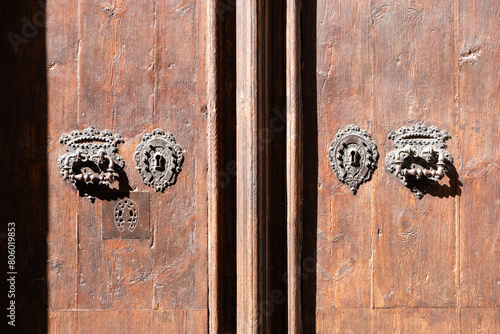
353,156
419,158
159,159
92,158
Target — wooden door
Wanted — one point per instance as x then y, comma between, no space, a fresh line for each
130,67
219,76
384,261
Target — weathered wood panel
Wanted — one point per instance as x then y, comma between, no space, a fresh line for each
478,46
413,63
128,321
294,165
343,320
180,238
480,320
344,95
122,66
62,75
416,320
252,174
116,89
62,322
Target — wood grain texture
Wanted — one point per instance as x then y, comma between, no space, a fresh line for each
478,99
348,321
213,167
419,264
63,322
176,109
128,321
393,320
344,96
416,320
110,71
252,217
480,320
294,166
62,114
115,92
414,240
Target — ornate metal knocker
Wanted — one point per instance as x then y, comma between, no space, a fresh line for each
91,158
419,158
353,156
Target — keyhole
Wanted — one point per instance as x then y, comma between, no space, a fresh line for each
354,157
159,162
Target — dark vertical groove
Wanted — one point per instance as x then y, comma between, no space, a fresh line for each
226,146
275,301
23,148
310,126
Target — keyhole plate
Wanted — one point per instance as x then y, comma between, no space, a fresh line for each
158,159
353,157
127,217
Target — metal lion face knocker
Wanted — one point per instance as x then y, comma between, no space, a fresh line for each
159,159
91,159
353,157
419,158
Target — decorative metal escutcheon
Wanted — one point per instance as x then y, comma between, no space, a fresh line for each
353,156
159,159
92,159
127,217
419,158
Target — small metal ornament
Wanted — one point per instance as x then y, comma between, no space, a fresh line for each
159,159
419,158
92,159
353,157
126,215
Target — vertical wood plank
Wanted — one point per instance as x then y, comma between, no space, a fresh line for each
213,165
251,173
116,85
62,55
344,98
294,166
414,240
180,238
479,104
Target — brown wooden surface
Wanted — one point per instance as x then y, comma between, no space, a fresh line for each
252,214
129,321
378,262
478,49
294,166
383,259
123,66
